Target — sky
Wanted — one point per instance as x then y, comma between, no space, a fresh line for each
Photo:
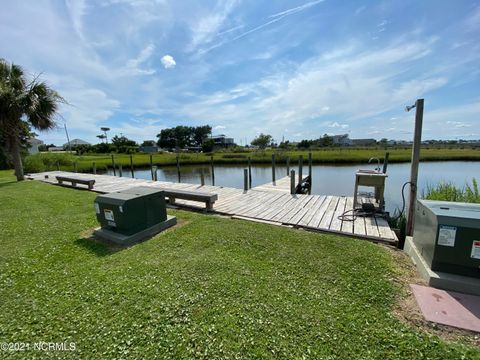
292,69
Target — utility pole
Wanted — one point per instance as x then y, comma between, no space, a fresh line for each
68,139
417,140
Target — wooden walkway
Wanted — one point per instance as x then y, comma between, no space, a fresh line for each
271,203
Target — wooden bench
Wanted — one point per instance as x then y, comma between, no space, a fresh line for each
208,198
75,181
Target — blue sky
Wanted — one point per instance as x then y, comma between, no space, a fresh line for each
294,69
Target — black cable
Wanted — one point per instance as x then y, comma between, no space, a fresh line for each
360,212
403,201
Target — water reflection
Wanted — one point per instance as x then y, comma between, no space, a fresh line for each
327,179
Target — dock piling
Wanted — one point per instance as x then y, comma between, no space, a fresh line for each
94,167
202,177
75,167
273,168
249,173
155,174
310,173
178,169
113,165
245,179
151,165
385,162
213,170
120,170
292,182
131,166
288,165
300,169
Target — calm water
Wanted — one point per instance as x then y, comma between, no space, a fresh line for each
327,179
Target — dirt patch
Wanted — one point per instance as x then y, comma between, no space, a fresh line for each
407,311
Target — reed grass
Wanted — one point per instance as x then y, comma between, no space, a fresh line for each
447,191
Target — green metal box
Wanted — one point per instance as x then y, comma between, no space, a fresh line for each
131,211
447,235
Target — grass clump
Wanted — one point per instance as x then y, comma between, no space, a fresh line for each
212,288
447,191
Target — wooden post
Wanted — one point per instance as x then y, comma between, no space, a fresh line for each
58,165
417,139
75,166
292,182
249,173
151,165
131,166
178,169
213,170
310,173
273,167
245,179
300,169
113,165
385,162
155,175
202,177
288,165
120,170
94,166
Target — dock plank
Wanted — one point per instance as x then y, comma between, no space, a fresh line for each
271,203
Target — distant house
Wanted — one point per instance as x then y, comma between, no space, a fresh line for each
222,141
341,140
364,142
55,148
33,145
149,149
75,142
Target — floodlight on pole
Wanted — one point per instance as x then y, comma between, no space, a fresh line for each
105,129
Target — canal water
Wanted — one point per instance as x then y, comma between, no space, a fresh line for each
327,179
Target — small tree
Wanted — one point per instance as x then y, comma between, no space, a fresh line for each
262,140
22,102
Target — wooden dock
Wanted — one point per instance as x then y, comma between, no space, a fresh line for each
270,203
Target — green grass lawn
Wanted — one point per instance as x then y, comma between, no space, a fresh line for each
42,162
209,288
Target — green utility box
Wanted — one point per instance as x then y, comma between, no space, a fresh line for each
447,235
131,215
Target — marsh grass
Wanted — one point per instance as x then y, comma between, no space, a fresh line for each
48,161
447,191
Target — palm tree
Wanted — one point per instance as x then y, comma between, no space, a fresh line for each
22,103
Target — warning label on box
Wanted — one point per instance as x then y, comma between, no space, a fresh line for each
475,250
108,214
446,235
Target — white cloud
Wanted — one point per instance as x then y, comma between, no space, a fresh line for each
360,84
336,124
297,9
168,62
219,127
133,65
208,27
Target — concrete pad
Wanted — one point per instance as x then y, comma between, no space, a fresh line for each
137,237
441,280
448,307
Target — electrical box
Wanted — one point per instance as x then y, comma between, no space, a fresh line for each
447,235
130,215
